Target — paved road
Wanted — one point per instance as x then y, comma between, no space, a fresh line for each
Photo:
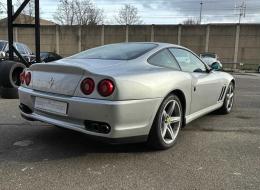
214,152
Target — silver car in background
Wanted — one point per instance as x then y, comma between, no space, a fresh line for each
126,92
212,60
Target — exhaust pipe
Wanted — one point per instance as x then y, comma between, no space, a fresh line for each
98,127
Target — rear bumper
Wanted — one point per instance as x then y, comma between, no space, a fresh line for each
128,120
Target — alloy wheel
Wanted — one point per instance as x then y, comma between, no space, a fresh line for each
230,97
170,121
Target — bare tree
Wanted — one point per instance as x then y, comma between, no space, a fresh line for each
190,21
128,15
28,12
78,12
27,15
2,8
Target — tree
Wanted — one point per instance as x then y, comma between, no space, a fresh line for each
128,15
27,15
2,8
28,12
190,21
78,12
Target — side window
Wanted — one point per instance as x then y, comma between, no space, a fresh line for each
164,59
6,47
51,55
188,61
20,48
27,50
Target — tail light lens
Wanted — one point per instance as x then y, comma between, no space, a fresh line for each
28,78
22,77
106,87
87,86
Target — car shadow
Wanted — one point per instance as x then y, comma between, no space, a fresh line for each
53,143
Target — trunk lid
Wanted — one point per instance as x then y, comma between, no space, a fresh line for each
55,78
63,76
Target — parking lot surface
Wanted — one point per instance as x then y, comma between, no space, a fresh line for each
213,152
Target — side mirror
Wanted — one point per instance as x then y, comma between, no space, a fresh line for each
2,55
216,66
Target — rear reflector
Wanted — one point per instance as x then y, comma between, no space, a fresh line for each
22,77
28,78
87,86
106,87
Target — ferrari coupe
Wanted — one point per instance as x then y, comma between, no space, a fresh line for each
126,92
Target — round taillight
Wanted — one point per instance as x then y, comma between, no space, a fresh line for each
28,78
87,86
106,87
22,77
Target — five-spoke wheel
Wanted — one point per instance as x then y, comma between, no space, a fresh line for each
167,123
229,100
170,121
230,97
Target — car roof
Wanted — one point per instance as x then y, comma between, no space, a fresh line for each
46,52
13,42
156,43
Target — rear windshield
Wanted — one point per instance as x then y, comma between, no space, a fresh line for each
124,51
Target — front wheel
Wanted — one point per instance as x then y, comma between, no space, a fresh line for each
167,124
229,100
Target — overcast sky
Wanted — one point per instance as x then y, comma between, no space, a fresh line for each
171,11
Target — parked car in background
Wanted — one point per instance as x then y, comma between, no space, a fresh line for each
23,49
212,60
126,92
11,70
49,56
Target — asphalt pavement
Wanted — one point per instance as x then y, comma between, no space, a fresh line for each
213,152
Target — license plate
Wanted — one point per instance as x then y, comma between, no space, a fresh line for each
51,106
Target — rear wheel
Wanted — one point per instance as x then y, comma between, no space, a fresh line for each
167,124
229,100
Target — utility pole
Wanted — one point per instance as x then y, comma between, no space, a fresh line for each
201,4
242,11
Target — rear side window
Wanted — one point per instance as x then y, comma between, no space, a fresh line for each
164,59
124,51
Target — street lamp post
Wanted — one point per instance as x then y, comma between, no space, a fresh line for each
201,4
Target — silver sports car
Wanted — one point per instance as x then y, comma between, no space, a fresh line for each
126,92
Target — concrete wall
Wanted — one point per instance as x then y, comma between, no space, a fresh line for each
233,43
249,45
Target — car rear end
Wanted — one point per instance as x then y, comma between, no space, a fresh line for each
75,98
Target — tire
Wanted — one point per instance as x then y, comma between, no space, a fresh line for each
258,69
10,74
9,93
228,101
167,124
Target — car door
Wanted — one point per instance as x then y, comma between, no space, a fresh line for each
206,86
